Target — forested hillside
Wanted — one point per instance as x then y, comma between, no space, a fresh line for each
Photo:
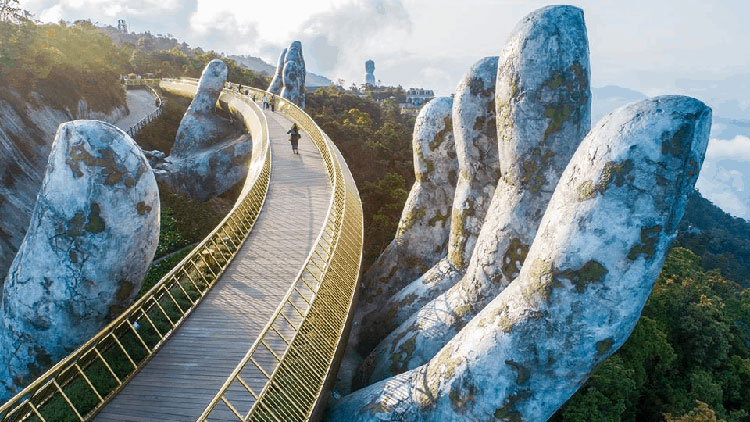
721,241
375,139
64,63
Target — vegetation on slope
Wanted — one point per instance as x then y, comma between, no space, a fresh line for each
160,134
65,63
722,241
62,64
375,140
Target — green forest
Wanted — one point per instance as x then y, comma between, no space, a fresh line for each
47,59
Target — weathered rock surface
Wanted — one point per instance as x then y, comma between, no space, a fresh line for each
93,234
475,133
543,104
276,82
593,263
200,126
26,133
422,235
293,76
210,172
207,157
370,73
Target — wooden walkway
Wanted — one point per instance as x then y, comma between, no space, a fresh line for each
141,104
186,373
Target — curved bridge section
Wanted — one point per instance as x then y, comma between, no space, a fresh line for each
285,278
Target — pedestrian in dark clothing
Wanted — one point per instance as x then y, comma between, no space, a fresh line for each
294,138
273,102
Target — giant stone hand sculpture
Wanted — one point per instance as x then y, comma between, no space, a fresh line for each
475,133
205,160
489,347
294,75
422,234
276,82
92,236
597,252
543,112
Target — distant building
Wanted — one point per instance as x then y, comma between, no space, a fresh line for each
122,26
419,96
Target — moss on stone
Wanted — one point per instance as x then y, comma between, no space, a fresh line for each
462,395
452,176
508,411
441,368
458,230
514,258
75,225
522,372
112,170
142,208
460,311
557,115
591,272
95,224
410,219
534,167
377,406
676,143
441,134
617,172
604,346
647,245
538,284
401,357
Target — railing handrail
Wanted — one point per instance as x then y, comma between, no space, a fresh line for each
340,209
133,130
204,256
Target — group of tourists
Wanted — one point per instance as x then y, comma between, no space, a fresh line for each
266,103
294,132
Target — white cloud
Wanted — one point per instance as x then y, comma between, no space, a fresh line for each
724,175
53,11
737,149
52,14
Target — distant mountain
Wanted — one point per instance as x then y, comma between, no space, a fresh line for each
722,241
257,64
610,97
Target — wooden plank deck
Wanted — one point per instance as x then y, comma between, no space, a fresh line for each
186,373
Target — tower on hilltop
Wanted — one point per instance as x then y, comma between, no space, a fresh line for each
370,73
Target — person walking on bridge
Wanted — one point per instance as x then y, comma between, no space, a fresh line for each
294,138
265,102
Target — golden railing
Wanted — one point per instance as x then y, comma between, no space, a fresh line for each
285,374
77,387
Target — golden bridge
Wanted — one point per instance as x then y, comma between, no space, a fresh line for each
252,323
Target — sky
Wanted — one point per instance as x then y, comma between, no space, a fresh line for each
692,47
644,45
